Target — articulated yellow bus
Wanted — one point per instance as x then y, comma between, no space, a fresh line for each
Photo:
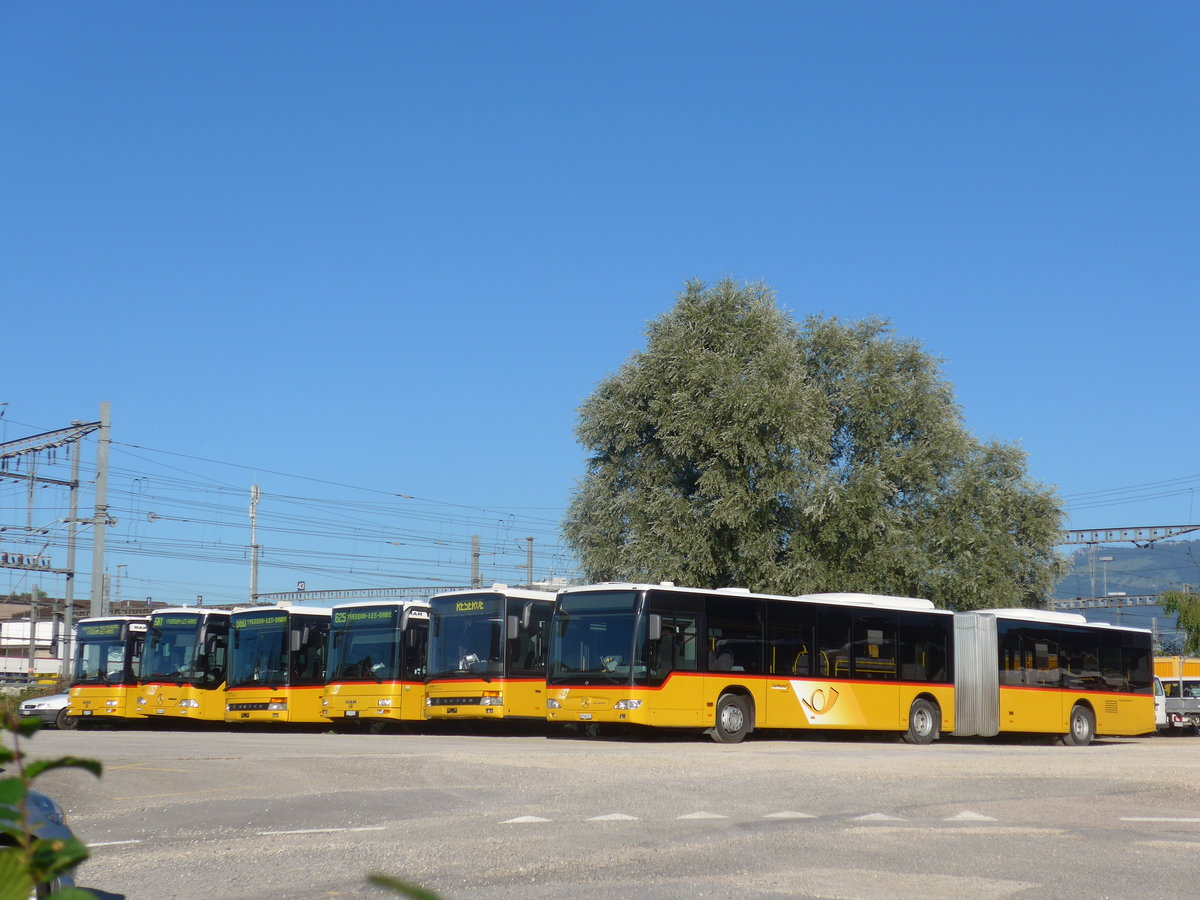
184,665
276,664
376,663
728,661
487,654
104,681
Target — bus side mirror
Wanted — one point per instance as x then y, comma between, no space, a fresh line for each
294,642
514,628
655,627
527,615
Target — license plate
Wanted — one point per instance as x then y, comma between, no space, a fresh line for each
87,712
351,713
585,716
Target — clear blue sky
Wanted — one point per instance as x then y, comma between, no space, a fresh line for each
394,246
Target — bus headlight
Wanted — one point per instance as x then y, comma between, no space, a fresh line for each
141,701
553,704
491,701
277,706
190,704
384,701
112,702
324,701
628,704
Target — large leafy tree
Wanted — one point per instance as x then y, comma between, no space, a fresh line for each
740,448
1187,606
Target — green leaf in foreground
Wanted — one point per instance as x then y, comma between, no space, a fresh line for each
401,887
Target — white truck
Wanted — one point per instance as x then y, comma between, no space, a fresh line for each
1182,705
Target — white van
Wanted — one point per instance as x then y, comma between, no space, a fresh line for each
1160,705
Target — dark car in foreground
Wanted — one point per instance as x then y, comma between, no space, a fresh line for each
47,822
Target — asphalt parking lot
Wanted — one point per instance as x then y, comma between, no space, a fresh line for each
221,814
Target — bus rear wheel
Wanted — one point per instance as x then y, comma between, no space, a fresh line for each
924,722
733,719
1083,727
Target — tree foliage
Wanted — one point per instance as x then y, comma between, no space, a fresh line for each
1187,607
740,448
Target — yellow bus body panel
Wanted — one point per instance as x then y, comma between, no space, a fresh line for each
92,702
358,700
303,704
165,700
522,698
1048,711
690,701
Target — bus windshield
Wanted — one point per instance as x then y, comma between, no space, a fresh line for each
103,655
260,651
171,649
466,636
364,645
593,636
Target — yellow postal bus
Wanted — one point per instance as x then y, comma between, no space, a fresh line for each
104,681
276,664
729,662
487,654
376,668
184,665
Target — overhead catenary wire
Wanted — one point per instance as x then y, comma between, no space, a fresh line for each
169,512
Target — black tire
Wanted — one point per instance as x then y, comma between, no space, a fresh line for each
1082,727
733,720
924,722
65,722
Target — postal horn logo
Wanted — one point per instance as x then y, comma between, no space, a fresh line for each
821,701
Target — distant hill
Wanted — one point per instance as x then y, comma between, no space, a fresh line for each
1163,566
1136,572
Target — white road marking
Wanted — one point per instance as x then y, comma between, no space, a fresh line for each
112,843
788,814
702,815
613,817
967,816
1159,819
878,817
523,820
321,830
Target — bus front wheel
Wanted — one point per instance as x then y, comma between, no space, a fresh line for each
1083,727
733,719
924,722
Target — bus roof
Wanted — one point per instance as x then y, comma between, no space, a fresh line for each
518,593
884,601
191,610
309,610
1052,617
358,604
90,619
879,601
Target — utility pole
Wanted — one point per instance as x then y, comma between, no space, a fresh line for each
254,494
528,567
68,639
99,606
476,578
33,601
